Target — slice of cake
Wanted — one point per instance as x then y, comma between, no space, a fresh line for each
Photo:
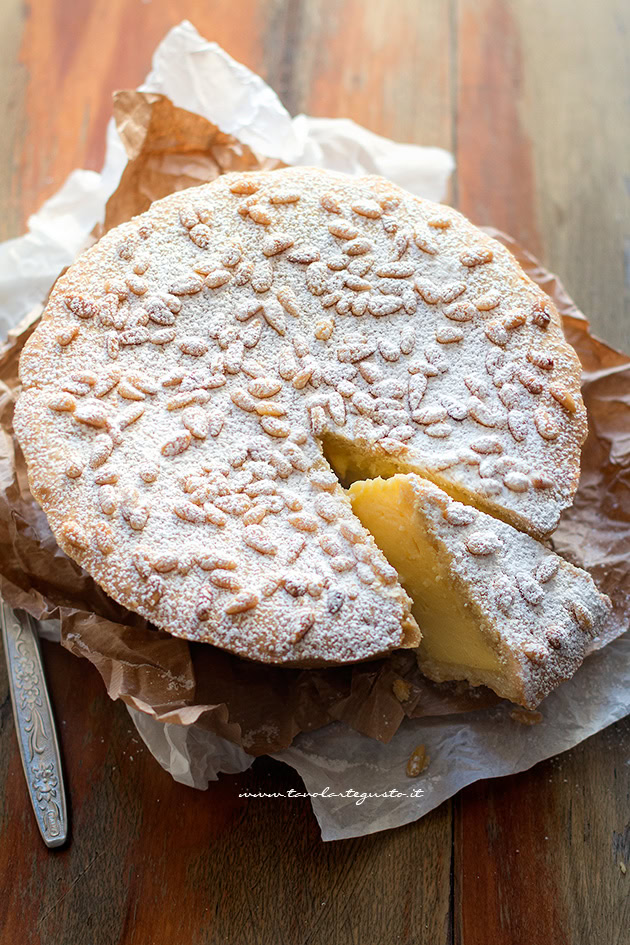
494,606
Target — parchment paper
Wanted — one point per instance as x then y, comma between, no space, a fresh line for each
202,711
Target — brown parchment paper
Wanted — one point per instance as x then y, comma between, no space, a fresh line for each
258,707
169,149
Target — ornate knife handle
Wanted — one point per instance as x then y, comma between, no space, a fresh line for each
34,725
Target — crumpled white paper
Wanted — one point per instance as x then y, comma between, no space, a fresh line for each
201,77
462,749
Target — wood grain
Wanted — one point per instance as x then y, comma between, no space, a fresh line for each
539,853
153,861
532,98
543,140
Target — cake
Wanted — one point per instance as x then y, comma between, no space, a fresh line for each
205,375
495,606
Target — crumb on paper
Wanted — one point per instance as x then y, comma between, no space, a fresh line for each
418,761
402,689
526,716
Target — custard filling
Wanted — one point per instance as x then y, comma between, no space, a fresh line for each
450,626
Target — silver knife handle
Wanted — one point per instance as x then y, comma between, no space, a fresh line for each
35,726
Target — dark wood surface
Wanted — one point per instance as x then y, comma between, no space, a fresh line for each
531,97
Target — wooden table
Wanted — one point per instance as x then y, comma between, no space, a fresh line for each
531,96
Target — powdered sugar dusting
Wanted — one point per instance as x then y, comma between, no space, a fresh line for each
190,365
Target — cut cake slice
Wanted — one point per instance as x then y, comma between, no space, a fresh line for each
495,607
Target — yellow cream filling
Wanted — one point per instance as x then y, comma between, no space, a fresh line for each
451,634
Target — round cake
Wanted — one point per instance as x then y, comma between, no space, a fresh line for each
204,376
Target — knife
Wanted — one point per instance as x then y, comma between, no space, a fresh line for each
34,725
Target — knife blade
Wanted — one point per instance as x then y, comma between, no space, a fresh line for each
34,725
